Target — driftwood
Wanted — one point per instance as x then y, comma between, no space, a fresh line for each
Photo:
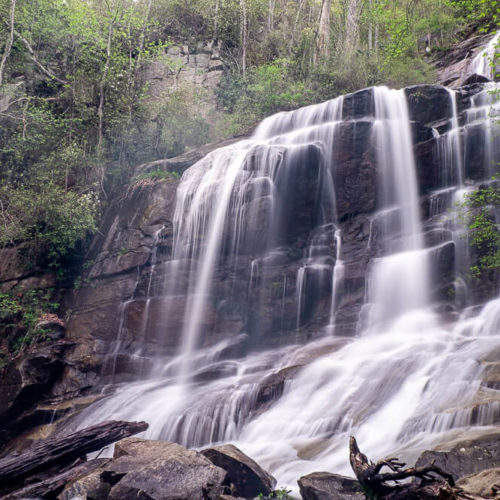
51,486
62,450
432,482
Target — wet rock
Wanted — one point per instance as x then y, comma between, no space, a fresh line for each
466,457
272,386
427,166
354,169
359,104
160,470
326,486
474,78
25,381
247,478
452,64
420,133
485,483
476,151
428,103
236,347
215,371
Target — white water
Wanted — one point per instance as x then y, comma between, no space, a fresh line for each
485,62
412,379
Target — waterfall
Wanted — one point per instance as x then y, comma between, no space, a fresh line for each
485,63
400,281
306,291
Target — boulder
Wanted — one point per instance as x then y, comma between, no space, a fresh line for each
161,470
327,486
484,483
246,476
466,457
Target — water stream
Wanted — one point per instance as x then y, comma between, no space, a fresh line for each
409,379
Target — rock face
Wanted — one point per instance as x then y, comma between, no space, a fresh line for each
246,477
197,66
452,66
25,382
326,486
120,311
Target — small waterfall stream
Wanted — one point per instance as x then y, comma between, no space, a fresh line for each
409,379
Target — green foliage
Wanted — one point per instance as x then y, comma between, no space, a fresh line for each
50,220
484,232
484,11
283,493
20,312
157,175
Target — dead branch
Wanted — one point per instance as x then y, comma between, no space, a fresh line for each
432,481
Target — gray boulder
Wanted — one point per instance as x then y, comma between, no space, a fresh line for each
326,486
246,476
160,470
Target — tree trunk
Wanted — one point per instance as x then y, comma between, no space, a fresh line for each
351,40
244,35
10,39
323,30
270,16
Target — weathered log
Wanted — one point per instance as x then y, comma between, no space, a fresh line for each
434,482
62,450
51,486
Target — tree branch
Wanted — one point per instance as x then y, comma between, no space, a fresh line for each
10,40
40,66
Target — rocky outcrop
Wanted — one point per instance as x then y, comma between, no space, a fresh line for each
199,67
453,65
327,486
27,381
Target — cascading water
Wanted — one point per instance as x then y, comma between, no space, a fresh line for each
485,62
259,223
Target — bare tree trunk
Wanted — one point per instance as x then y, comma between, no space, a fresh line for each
102,87
216,21
370,29
10,39
244,35
323,30
270,16
354,9
102,84
33,57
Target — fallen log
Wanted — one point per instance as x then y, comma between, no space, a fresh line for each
62,450
432,482
51,486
